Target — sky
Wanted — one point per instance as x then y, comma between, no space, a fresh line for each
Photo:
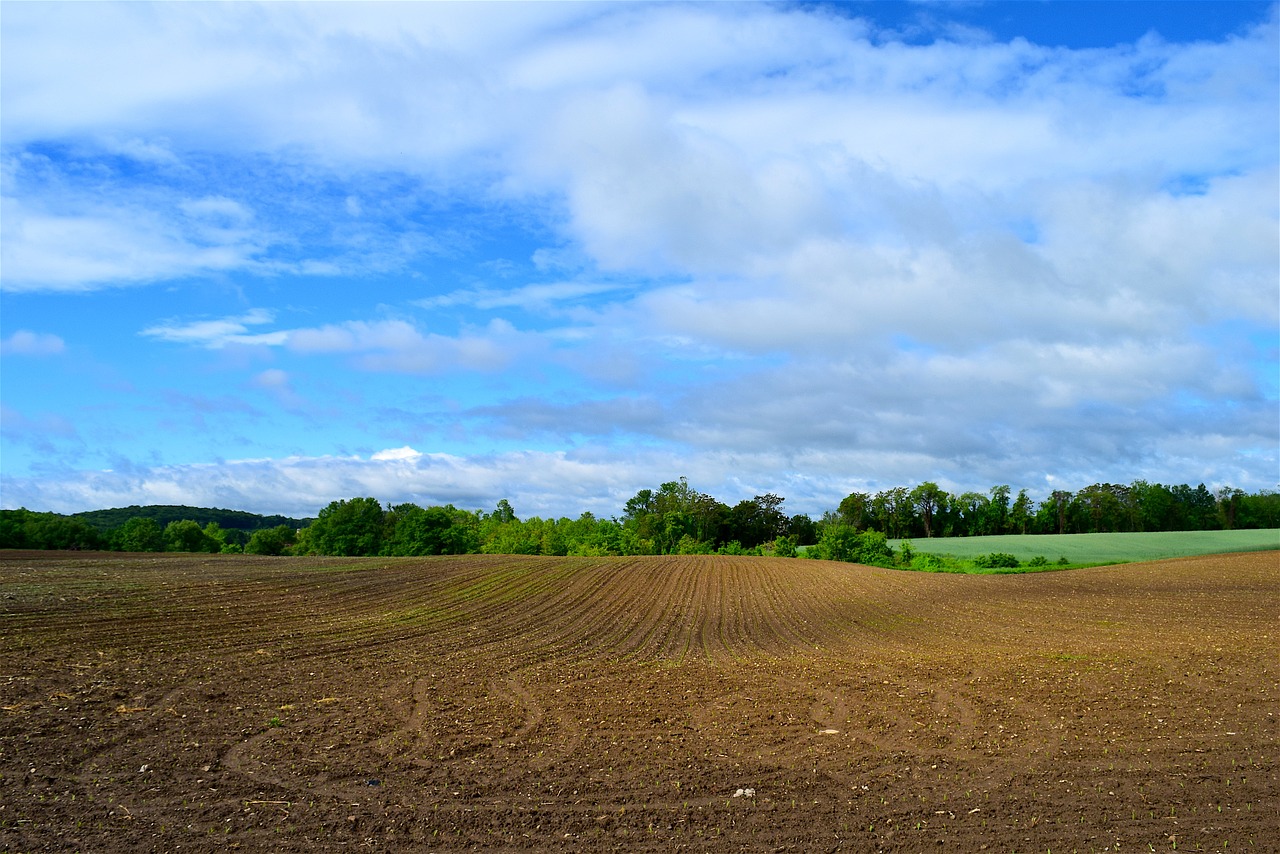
264,257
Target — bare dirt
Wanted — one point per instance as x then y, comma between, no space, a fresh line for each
200,703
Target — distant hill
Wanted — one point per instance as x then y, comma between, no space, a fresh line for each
105,520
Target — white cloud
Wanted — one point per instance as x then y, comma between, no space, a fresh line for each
217,208
87,245
397,346
539,297
406,454
218,333
24,342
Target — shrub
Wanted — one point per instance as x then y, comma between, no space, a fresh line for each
271,541
784,546
844,542
929,561
688,545
996,560
905,553
1038,560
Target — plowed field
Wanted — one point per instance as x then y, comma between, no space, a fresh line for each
158,703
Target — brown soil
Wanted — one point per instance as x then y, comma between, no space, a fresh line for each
162,702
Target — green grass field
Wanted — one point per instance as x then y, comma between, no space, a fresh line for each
1102,548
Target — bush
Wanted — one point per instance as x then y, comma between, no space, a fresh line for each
929,562
1038,560
784,547
905,553
846,543
185,535
271,541
996,560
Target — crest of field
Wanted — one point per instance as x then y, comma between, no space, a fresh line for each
713,607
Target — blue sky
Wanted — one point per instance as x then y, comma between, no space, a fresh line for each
267,256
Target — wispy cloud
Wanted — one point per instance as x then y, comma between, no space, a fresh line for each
100,245
218,333
538,297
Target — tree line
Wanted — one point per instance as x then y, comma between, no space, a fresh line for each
237,521
929,511
672,519
26,529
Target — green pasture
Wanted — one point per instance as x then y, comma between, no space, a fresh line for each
1101,548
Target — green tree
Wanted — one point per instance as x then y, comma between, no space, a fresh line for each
594,537
502,532
1059,501
1203,510
892,511
757,521
412,530
271,541
1261,510
1229,499
1156,507
928,497
855,510
997,511
802,529
138,535
353,527
1020,513
185,535
52,531
973,514
512,538
12,528
503,512
218,538
659,522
